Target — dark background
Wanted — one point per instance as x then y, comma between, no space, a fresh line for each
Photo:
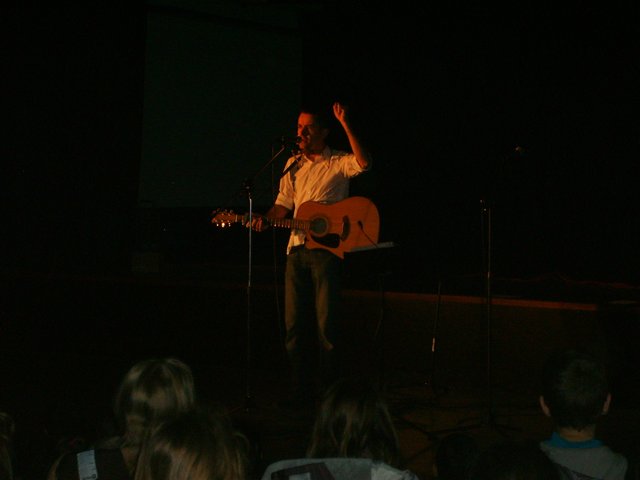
532,110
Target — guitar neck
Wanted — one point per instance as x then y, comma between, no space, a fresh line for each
288,223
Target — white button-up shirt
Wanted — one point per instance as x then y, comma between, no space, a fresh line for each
325,179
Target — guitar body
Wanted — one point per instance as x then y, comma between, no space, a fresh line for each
341,226
338,227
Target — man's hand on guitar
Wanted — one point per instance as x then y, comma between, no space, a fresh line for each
258,223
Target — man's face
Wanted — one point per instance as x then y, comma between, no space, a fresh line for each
311,133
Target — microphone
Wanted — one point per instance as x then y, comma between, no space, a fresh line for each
286,139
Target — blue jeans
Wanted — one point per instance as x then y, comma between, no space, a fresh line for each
313,283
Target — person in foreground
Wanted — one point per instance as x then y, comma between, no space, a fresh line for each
320,174
199,445
151,391
353,437
575,394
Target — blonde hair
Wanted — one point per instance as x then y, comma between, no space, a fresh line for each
151,391
199,445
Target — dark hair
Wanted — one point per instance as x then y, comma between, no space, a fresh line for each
575,388
321,114
514,460
353,421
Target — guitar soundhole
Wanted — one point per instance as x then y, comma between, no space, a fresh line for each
319,226
319,229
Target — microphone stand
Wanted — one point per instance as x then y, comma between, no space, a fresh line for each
249,402
489,419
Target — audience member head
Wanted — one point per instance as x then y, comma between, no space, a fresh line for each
354,421
514,460
455,456
575,391
7,429
151,391
198,445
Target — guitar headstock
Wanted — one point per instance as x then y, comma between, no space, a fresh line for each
226,218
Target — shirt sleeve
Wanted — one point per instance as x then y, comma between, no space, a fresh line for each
350,165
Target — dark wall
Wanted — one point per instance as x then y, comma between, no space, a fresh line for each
77,114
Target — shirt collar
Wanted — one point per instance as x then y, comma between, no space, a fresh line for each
326,154
557,441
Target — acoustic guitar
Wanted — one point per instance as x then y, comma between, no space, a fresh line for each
339,227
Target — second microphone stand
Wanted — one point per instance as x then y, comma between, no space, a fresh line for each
488,420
